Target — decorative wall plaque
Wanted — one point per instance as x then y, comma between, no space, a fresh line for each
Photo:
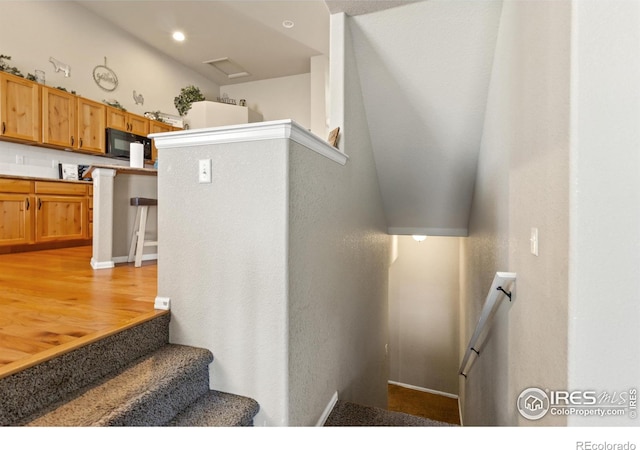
105,78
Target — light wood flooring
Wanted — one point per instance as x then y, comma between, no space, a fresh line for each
52,302
423,404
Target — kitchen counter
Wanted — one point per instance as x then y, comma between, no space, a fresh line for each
121,170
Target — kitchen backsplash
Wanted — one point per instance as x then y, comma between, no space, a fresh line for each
29,161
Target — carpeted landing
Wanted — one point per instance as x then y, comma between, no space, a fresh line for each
346,414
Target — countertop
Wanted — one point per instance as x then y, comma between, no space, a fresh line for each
122,169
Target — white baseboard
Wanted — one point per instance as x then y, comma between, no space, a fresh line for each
327,410
101,265
145,257
418,388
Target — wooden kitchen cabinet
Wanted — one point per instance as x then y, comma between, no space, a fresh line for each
72,122
16,212
157,127
19,108
59,127
124,121
61,211
92,121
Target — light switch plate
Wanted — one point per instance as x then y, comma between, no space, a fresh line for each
204,171
534,241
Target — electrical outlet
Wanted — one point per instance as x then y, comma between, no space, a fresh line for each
204,171
19,159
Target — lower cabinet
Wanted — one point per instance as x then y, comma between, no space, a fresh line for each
40,212
16,213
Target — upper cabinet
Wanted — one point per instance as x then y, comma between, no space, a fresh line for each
72,122
158,127
92,122
59,126
19,108
128,122
50,117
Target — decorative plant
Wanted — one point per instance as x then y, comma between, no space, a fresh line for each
114,103
187,96
5,67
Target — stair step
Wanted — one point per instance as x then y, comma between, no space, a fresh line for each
218,409
150,392
347,414
36,388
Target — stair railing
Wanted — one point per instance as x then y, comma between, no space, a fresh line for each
501,281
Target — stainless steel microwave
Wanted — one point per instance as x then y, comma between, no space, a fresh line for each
119,142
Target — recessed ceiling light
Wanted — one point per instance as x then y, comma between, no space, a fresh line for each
178,36
288,24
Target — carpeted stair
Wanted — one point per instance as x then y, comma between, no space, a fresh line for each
134,378
347,414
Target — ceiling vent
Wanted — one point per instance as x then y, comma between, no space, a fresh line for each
227,67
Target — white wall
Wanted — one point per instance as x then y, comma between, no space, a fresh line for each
224,265
605,203
522,182
423,313
276,98
33,31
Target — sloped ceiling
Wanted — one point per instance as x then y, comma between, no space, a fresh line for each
425,70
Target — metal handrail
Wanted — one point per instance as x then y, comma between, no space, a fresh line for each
501,281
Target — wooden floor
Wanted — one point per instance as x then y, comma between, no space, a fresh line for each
423,404
52,301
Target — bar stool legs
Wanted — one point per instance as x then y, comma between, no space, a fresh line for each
138,241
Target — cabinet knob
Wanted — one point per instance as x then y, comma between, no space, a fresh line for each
39,204
4,127
72,140
80,142
28,204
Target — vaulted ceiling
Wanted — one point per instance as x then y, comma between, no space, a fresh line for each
424,67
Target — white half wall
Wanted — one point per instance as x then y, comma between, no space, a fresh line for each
279,267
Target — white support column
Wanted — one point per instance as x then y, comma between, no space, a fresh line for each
102,257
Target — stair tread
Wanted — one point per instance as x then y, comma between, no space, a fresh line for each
102,402
218,409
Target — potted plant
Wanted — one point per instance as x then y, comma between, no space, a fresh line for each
188,95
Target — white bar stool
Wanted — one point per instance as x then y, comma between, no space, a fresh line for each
138,240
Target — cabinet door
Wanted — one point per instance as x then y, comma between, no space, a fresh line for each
157,127
15,218
60,218
138,125
19,108
91,126
58,118
117,119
